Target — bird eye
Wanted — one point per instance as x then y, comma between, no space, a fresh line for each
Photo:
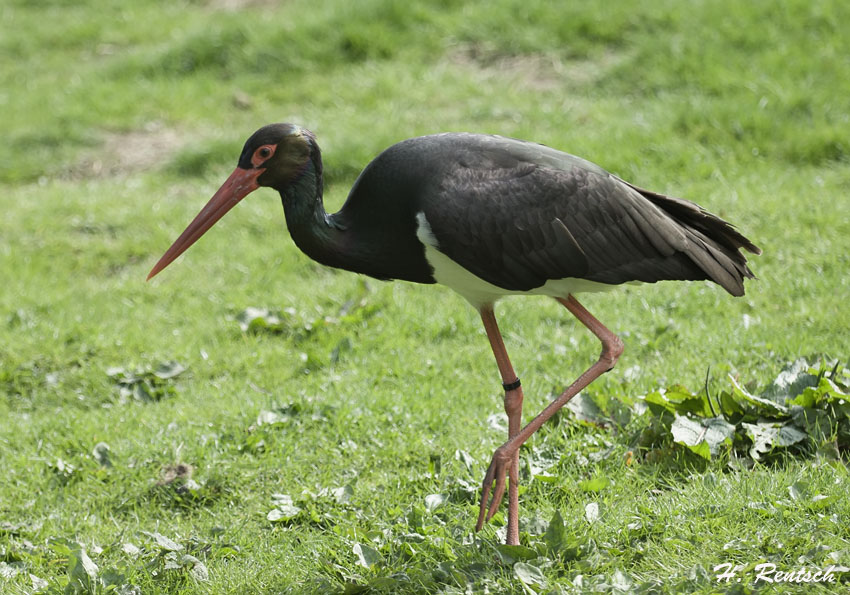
262,154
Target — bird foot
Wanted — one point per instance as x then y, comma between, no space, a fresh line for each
497,472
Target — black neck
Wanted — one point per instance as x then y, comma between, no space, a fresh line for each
312,229
351,239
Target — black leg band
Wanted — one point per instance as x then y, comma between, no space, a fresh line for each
512,385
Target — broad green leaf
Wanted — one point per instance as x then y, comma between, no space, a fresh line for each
285,509
140,392
512,553
594,484
657,403
687,402
546,477
765,509
766,436
821,501
164,542
816,396
621,582
585,409
116,372
366,556
256,320
798,490
702,449
529,575
434,501
817,423
762,436
789,435
112,579
465,458
167,370
730,407
130,549
170,562
792,381
273,417
7,571
834,393
343,494
704,437
687,431
447,573
763,405
556,533
677,399
81,569
700,575
197,568
146,385
100,452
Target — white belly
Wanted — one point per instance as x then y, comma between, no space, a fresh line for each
478,291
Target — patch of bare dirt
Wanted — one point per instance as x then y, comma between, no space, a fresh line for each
123,153
541,72
236,5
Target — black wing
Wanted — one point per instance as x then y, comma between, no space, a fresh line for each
518,214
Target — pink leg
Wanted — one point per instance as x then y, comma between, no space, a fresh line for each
513,407
612,347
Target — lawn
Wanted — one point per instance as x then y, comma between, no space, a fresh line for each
251,422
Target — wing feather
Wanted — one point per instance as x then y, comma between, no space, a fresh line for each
518,215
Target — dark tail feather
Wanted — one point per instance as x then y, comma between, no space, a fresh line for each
717,244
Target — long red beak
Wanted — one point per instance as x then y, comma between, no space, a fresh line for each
239,185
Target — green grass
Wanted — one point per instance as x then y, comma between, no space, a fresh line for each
120,119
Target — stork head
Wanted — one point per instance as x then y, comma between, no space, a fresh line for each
275,156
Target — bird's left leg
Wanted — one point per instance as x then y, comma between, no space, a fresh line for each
612,347
513,407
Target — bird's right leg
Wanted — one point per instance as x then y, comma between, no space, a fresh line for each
513,407
504,456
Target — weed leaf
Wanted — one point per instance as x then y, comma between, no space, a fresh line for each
512,553
434,501
594,484
703,437
285,510
770,405
168,370
766,436
366,556
164,542
529,575
262,320
556,533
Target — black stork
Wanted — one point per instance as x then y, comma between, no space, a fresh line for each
488,217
